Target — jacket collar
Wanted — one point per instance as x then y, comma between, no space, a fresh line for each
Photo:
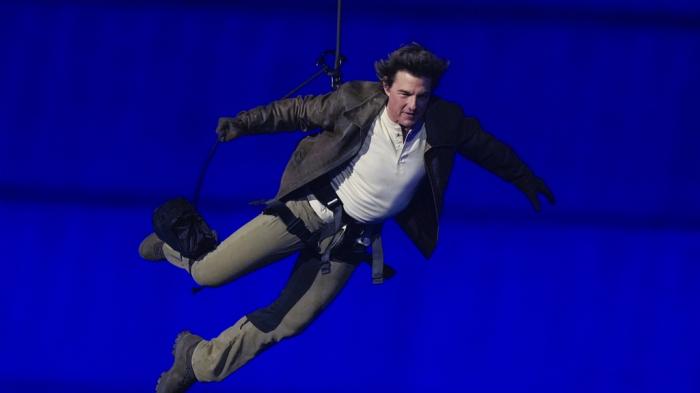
363,114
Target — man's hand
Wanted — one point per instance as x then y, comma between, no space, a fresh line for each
531,186
229,128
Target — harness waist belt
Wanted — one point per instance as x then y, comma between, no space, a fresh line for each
356,231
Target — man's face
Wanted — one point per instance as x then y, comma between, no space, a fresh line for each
408,98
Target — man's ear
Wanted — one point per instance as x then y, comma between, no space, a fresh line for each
386,86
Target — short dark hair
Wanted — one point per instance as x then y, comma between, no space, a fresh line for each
415,59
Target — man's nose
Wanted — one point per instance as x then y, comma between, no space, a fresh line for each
411,104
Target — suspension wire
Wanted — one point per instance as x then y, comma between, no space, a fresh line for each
333,73
336,66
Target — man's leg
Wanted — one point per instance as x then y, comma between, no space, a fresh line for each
307,292
262,240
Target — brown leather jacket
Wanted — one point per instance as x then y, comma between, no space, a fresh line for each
345,116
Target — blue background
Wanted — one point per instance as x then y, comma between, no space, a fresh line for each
108,109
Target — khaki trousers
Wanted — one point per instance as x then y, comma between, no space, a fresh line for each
308,291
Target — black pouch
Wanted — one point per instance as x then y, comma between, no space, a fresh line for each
178,223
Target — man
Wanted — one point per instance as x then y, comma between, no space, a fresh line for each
384,150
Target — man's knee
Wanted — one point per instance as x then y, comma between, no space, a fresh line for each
282,323
207,278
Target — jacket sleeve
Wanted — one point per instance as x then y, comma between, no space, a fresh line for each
490,153
299,113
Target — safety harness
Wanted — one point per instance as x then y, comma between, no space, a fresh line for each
351,241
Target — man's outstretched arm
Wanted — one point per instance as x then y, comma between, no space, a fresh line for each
299,113
501,160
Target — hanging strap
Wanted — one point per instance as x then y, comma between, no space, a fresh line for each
335,241
377,258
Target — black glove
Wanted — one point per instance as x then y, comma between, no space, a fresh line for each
533,185
229,128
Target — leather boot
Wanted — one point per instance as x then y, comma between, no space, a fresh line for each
181,375
151,248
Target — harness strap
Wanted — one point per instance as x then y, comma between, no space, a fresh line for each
294,224
334,242
377,258
324,192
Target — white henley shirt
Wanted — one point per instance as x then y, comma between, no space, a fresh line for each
380,181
